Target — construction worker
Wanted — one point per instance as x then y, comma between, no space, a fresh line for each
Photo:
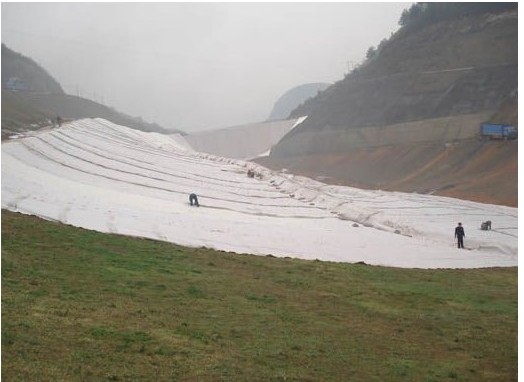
193,200
459,234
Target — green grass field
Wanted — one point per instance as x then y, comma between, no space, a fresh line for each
79,305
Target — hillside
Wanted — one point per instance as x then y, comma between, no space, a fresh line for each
32,99
22,73
448,68
293,98
22,111
430,86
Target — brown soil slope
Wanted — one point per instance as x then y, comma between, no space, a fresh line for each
483,171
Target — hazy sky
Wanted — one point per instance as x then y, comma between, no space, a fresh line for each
195,66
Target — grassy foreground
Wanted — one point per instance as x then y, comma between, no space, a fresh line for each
78,305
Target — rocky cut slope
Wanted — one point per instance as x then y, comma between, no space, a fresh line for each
427,87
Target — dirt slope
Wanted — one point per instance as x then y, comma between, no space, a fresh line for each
483,171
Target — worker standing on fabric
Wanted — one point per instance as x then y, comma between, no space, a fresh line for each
193,200
459,234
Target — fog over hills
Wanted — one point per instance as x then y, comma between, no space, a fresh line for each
293,98
22,73
195,65
32,99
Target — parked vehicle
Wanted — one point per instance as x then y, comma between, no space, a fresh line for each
498,131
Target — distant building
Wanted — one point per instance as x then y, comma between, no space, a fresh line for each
15,84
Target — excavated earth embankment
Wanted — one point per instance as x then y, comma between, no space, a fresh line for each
469,169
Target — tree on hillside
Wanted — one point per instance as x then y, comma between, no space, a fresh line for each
371,52
426,13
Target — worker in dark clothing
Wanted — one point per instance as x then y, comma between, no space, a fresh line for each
459,234
193,200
